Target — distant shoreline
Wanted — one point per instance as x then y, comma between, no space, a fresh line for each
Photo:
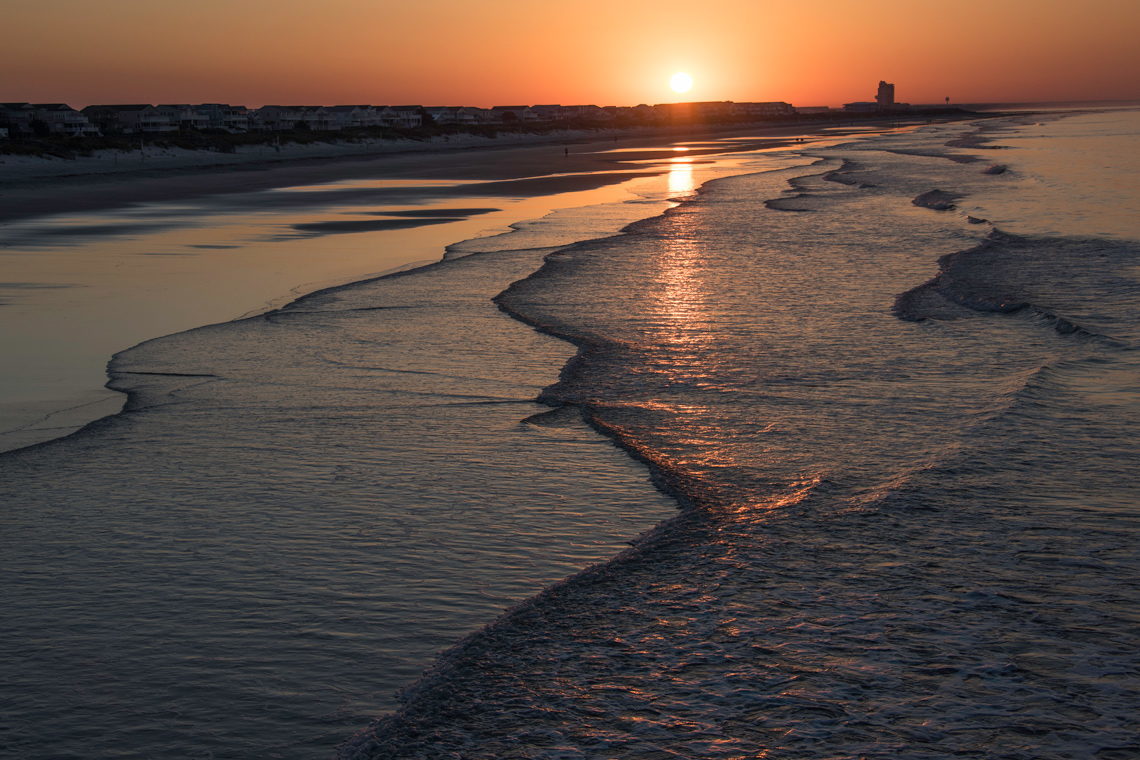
33,186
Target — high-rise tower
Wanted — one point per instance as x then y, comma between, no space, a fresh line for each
886,94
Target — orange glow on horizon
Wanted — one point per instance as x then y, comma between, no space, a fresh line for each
452,52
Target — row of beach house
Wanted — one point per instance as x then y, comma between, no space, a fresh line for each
42,119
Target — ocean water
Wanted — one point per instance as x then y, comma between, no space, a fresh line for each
896,398
297,511
887,447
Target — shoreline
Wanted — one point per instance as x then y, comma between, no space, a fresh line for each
515,180
298,248
24,193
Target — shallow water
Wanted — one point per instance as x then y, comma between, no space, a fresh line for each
903,533
909,484
78,287
298,510
81,287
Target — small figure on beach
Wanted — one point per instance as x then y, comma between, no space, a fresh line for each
566,151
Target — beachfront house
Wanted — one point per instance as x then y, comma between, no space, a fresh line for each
443,114
513,114
644,113
547,112
17,118
765,110
343,117
484,115
810,110
402,117
225,117
184,116
611,114
352,117
129,119
581,113
408,117
467,115
713,110
273,118
62,119
285,118
623,114
316,118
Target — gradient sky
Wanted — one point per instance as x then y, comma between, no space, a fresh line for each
607,52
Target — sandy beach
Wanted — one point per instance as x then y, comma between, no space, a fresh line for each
33,186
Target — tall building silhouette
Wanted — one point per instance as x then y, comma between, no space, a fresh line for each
886,94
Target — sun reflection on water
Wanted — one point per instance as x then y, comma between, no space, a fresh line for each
681,176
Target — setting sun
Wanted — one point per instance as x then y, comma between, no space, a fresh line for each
681,82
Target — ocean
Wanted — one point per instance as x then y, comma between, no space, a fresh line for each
831,456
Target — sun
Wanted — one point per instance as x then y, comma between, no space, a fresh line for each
681,82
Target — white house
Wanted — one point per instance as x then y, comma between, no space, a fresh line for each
62,119
184,116
403,117
345,117
316,118
349,117
224,116
458,114
443,114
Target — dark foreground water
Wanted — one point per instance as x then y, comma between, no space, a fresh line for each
901,438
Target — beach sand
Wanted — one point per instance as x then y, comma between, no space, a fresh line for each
33,186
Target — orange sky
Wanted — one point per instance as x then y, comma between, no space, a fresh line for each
608,52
